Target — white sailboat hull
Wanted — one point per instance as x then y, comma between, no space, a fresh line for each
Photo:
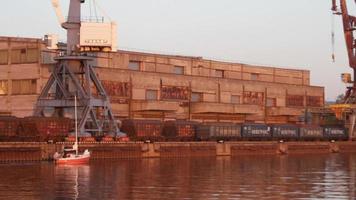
72,159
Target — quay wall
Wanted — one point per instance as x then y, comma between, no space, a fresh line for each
23,152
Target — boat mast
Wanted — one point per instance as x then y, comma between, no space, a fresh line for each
76,126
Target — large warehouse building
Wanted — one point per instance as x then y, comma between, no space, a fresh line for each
153,86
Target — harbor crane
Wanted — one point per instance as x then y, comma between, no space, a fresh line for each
347,109
349,26
73,74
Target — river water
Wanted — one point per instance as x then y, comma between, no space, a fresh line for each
329,176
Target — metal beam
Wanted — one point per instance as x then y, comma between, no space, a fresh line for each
62,77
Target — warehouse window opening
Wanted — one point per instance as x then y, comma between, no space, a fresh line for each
295,100
271,102
21,56
236,99
314,101
24,87
3,57
134,65
197,97
3,87
219,73
32,55
179,70
254,77
151,94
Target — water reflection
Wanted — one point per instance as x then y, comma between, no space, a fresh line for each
71,181
243,177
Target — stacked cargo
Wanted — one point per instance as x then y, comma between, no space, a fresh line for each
179,130
142,129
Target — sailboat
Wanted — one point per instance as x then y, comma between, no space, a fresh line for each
72,156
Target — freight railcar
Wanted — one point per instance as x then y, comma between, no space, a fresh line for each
307,133
34,129
28,132
335,133
8,128
179,130
48,128
141,130
285,132
42,129
256,132
216,132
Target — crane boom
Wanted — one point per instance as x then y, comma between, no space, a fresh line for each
57,8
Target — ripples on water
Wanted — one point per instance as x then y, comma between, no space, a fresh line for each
243,177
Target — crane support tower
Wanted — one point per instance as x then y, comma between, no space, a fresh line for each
73,75
349,26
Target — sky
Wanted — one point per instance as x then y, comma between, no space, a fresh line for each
282,33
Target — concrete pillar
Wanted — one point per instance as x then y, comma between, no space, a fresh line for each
47,151
150,150
282,148
223,149
334,148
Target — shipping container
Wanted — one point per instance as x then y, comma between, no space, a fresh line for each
310,132
285,131
256,131
335,133
142,129
179,130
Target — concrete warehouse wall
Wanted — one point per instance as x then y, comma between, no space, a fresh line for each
143,85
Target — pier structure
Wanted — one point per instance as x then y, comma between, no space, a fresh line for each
23,152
